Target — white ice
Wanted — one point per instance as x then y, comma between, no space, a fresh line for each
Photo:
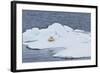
76,43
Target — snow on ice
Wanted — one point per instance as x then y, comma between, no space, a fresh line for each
76,43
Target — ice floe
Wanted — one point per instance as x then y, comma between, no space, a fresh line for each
76,43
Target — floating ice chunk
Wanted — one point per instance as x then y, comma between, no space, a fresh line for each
78,45
76,50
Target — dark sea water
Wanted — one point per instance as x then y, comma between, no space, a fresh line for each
30,55
45,55
42,19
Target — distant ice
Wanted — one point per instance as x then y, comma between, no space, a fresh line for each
76,43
